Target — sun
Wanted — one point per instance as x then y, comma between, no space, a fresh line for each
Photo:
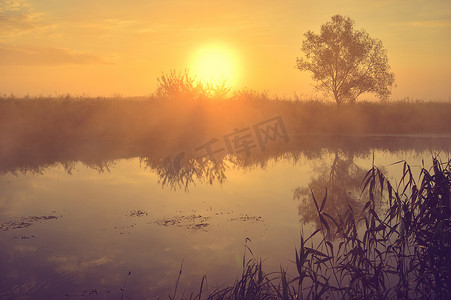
216,63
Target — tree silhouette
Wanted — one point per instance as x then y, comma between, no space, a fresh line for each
346,62
179,85
182,85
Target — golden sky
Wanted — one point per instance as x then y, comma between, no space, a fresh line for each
110,47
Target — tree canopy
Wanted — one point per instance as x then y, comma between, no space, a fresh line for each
346,62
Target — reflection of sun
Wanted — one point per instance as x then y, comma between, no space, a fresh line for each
216,63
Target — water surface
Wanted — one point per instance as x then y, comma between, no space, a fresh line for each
82,225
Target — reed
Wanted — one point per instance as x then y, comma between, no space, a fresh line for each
402,253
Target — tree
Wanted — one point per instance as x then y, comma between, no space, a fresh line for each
346,62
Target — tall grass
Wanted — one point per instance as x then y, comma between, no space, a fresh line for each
403,253
42,131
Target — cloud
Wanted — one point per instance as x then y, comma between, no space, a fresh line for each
429,24
111,25
11,5
16,18
18,21
12,55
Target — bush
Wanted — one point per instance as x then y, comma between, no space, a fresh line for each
181,85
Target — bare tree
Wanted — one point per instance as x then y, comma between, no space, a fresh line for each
346,62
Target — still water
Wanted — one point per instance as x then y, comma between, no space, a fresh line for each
125,227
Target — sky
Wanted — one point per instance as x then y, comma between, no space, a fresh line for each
115,47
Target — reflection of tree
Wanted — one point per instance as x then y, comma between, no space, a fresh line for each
177,173
100,166
343,183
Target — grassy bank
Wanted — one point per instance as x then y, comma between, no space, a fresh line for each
177,123
141,117
38,132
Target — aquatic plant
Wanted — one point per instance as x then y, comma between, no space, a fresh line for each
404,253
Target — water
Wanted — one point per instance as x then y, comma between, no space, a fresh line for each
81,227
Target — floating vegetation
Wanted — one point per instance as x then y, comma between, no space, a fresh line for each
89,293
23,237
137,213
192,222
24,222
247,218
125,229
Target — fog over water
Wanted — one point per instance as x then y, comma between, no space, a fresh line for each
76,221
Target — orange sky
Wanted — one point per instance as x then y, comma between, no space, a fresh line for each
110,47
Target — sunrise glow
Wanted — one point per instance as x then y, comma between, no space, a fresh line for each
56,47
216,63
225,149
